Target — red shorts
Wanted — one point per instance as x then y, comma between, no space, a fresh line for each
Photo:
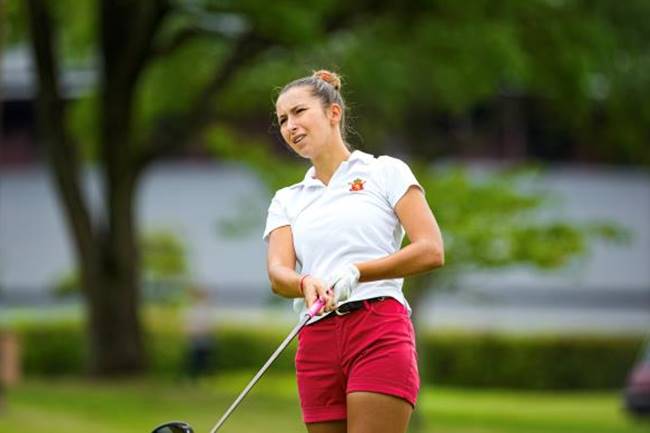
371,349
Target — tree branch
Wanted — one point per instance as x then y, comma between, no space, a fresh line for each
178,40
172,134
61,152
128,29
224,24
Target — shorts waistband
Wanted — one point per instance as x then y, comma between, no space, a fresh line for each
352,306
349,307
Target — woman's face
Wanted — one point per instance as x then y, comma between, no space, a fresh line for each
304,125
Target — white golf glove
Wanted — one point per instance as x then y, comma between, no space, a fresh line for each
343,282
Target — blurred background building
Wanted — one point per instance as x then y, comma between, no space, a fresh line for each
194,197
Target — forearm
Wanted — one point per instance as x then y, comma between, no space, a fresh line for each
417,257
285,281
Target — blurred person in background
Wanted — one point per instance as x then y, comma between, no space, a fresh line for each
199,325
344,223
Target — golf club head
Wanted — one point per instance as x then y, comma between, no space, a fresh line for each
174,427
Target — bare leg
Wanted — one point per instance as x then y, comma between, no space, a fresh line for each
370,412
327,427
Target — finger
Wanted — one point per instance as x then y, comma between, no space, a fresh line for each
311,296
322,292
328,299
309,301
318,294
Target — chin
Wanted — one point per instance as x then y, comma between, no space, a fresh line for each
304,152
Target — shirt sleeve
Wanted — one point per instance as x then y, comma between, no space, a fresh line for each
397,178
276,217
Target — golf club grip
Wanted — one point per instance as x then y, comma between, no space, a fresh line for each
315,308
303,321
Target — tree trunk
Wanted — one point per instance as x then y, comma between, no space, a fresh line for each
112,293
126,30
105,247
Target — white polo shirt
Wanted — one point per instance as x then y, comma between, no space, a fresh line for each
350,220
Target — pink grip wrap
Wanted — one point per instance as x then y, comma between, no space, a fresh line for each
315,308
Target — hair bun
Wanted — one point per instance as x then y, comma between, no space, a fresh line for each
329,77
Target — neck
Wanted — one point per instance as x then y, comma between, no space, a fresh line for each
327,162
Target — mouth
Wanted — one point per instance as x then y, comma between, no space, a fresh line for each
298,138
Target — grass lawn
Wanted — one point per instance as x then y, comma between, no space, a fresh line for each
75,406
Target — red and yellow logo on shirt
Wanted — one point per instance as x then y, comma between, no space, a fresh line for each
356,184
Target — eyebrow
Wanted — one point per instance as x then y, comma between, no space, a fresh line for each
292,109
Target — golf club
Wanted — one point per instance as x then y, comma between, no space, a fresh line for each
182,427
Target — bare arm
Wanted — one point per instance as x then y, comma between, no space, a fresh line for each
285,281
281,262
424,253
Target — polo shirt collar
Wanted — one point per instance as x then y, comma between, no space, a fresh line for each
355,156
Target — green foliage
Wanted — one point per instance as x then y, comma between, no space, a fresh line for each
250,348
545,362
53,348
163,255
163,261
488,222
276,172
582,63
167,351
16,27
66,285
581,67
456,359
493,222
173,82
77,21
288,22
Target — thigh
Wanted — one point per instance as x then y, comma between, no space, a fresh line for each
370,412
327,427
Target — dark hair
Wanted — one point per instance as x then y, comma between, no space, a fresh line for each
326,86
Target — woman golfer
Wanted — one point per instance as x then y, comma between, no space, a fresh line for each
343,225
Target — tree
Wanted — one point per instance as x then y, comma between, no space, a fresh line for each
164,269
493,223
549,79
131,123
167,69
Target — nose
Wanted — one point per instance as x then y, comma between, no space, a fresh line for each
291,126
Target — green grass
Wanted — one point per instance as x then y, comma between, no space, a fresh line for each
75,406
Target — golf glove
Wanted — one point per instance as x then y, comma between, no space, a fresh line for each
343,282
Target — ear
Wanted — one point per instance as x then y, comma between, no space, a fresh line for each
334,113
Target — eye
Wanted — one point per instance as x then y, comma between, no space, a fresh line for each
282,120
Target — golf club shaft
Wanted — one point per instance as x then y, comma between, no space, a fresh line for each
303,321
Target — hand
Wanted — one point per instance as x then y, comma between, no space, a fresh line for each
343,282
314,288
